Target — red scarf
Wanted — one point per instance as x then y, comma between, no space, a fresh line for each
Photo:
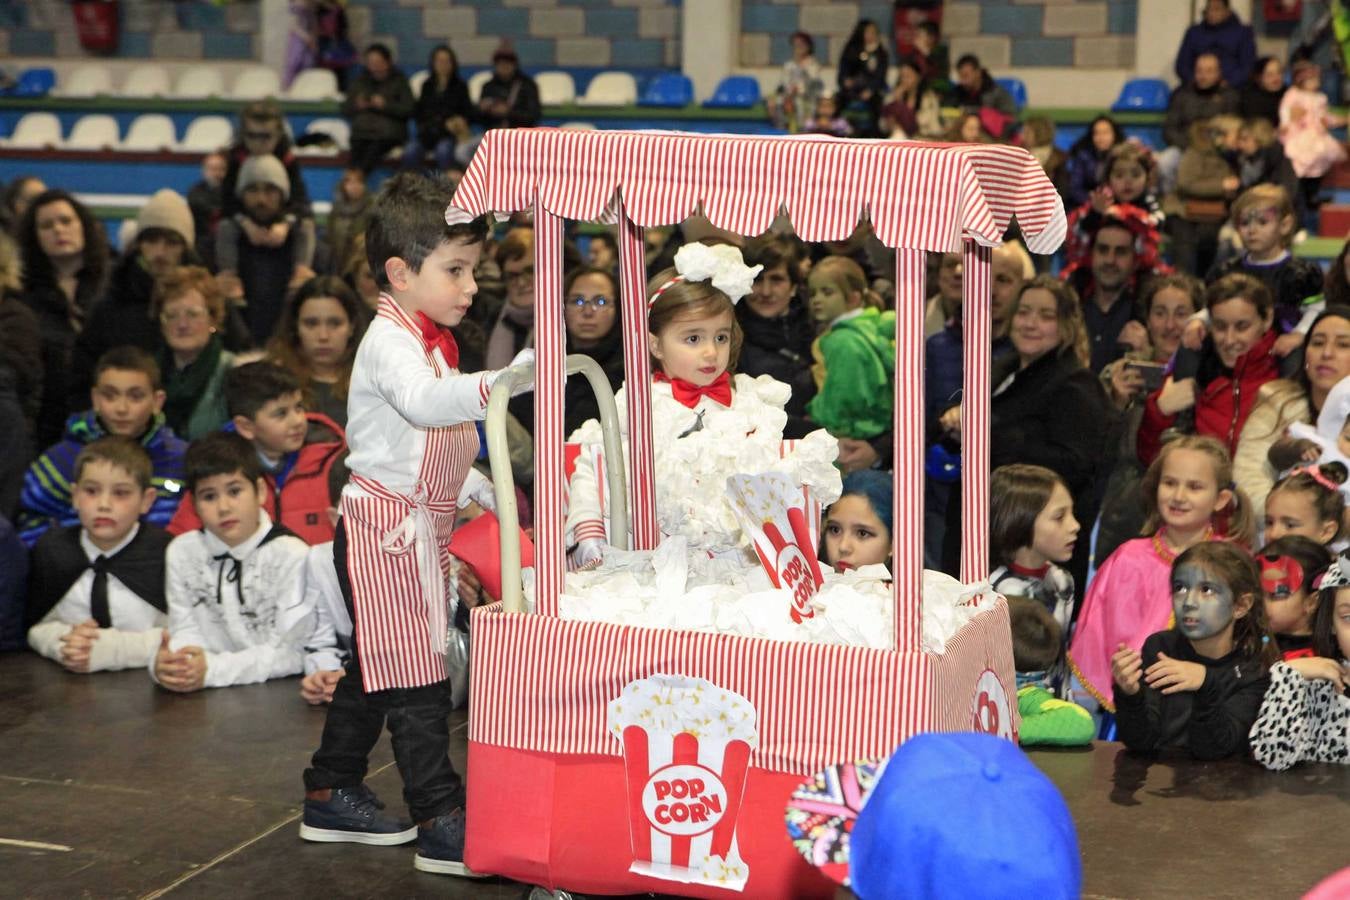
689,394
434,336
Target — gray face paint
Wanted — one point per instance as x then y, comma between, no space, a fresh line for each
1202,603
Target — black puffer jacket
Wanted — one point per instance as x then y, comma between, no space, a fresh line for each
59,323
781,349
579,400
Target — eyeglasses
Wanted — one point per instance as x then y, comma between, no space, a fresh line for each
597,302
178,315
525,274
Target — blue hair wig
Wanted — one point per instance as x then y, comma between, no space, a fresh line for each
875,486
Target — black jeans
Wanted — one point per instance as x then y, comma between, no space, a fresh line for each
419,729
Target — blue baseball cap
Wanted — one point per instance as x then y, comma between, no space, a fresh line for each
964,815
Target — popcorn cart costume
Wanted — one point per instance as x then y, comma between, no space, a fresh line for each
562,791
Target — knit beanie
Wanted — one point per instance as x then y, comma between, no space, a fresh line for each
168,210
263,168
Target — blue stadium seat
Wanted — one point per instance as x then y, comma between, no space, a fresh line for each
35,83
1143,95
735,92
668,89
1016,88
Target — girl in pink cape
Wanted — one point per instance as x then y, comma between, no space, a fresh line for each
1304,120
1190,490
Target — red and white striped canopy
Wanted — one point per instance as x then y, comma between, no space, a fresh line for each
918,196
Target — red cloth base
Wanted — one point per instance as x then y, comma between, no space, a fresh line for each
561,821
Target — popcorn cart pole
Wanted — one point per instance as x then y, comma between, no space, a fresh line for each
607,758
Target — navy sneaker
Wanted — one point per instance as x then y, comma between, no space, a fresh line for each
440,847
352,816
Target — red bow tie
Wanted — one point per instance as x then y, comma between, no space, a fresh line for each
434,336
689,394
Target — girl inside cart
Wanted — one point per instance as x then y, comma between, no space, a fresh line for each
707,423
1198,685
858,526
1193,501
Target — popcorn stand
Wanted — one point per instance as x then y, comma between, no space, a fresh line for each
613,758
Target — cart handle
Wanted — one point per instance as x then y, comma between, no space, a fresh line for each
504,482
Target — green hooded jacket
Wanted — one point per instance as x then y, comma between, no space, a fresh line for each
856,394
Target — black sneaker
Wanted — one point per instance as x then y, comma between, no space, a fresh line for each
352,816
440,847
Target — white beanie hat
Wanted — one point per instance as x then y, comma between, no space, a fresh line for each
263,168
168,210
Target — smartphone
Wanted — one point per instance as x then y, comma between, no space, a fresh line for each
1151,372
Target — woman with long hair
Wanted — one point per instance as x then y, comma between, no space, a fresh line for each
316,341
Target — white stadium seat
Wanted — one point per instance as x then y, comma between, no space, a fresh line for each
146,81
199,83
85,81
255,83
416,80
610,89
126,233
338,129
578,126
314,84
97,132
207,134
150,134
36,130
476,82
556,88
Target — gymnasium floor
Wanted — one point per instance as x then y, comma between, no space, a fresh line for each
110,787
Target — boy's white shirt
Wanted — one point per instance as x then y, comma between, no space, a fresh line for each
394,396
323,652
134,639
261,638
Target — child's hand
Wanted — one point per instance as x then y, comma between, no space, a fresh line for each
1231,184
1176,396
278,232
179,670
1287,343
1126,383
1126,665
77,644
1172,676
470,588
1101,199
299,276
254,233
1310,451
1193,335
1319,668
318,687
230,285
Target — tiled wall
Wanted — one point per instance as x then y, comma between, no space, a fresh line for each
162,29
1094,34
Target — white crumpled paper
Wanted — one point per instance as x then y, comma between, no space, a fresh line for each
676,588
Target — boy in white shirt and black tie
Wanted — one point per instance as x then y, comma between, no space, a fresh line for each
410,427
96,594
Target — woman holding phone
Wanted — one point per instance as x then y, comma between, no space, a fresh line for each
1167,302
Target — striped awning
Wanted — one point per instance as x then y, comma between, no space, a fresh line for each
917,195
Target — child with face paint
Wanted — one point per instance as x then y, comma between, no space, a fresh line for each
1308,502
1032,532
857,528
1291,571
1198,685
1193,501
1306,714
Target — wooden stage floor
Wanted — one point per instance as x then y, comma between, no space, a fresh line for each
110,787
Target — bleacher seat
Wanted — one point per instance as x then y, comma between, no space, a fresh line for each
199,83
1143,95
337,129
314,84
610,89
150,134
36,82
86,81
578,126
256,83
1016,88
556,88
668,89
146,81
416,80
206,134
126,233
35,131
96,132
735,92
476,82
